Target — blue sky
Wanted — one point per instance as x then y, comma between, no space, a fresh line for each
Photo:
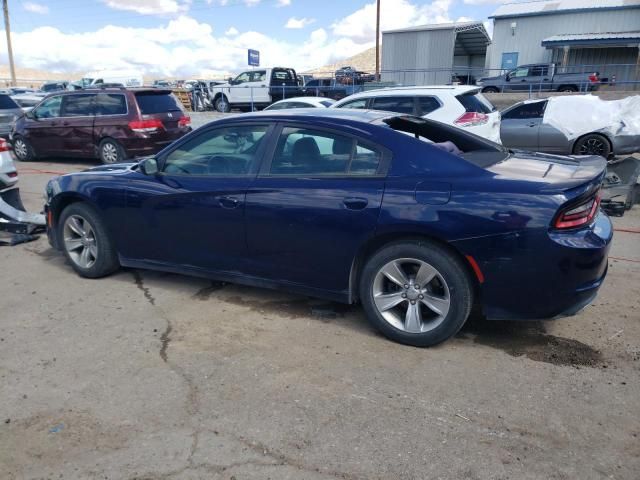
189,37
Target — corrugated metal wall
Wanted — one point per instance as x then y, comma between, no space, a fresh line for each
620,62
530,31
406,51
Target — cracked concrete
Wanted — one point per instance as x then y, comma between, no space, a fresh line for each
147,375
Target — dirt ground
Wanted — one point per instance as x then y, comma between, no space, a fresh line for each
146,375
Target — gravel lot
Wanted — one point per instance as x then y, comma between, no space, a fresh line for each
146,375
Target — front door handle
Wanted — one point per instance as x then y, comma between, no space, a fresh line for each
355,203
228,202
532,124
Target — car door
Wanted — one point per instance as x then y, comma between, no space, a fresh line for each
520,126
518,79
312,205
191,214
43,127
77,117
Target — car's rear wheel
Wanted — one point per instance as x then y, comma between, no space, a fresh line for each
85,241
111,151
222,104
23,149
490,90
416,293
568,88
592,144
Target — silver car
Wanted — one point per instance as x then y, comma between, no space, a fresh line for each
9,112
523,127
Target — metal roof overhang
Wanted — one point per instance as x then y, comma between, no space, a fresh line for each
595,40
471,40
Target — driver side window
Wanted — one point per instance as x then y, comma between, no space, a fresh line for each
50,108
220,152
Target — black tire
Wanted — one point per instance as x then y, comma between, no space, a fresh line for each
451,270
490,90
592,144
23,150
568,88
110,152
105,261
222,104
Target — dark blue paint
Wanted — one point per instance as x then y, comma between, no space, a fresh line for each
307,234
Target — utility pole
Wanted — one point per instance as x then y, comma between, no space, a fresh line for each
377,40
7,29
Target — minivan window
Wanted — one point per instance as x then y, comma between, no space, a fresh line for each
152,102
49,108
80,105
111,104
394,104
6,102
475,102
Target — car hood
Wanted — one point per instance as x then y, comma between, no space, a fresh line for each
553,170
116,168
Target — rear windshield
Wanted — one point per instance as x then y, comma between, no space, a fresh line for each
6,102
151,102
475,102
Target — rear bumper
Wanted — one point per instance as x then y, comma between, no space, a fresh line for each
541,275
150,144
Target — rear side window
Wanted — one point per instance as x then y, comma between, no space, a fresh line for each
316,152
111,104
526,110
394,104
6,102
150,102
80,105
428,105
475,102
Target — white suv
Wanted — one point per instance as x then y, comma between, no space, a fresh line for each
462,106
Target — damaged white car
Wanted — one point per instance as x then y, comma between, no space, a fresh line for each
578,125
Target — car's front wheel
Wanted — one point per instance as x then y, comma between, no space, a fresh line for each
417,293
23,149
592,144
85,241
222,104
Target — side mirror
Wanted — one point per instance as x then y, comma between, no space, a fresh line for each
149,166
31,115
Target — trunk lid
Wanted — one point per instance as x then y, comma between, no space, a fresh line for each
164,106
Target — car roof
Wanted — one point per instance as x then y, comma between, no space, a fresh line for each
355,115
454,89
112,90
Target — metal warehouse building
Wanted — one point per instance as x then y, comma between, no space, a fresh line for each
430,53
570,33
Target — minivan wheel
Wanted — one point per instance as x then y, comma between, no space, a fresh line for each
85,241
417,293
110,151
23,150
222,104
592,144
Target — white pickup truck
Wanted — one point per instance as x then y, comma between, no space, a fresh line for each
257,88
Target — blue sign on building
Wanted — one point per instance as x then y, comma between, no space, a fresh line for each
253,58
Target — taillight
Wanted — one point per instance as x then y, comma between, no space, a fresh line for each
150,125
4,145
593,78
184,121
471,119
12,174
579,215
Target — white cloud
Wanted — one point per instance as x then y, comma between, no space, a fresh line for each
283,3
150,7
251,3
489,2
35,8
231,32
295,23
361,25
182,47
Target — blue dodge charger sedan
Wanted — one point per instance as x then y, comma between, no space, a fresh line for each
415,220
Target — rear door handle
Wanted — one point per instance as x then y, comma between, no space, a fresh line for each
355,203
228,202
532,124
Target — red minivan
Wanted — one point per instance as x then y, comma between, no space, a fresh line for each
112,124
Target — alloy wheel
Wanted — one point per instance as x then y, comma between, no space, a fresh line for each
110,153
411,295
80,241
20,148
592,146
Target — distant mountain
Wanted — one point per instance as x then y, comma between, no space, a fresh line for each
365,61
